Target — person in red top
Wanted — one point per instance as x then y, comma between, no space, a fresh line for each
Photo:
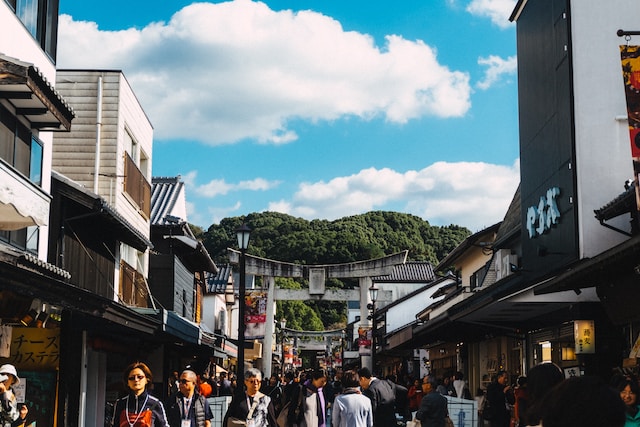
415,395
522,399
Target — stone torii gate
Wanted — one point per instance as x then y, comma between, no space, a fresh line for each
316,274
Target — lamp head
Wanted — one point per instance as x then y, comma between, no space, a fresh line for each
373,293
243,232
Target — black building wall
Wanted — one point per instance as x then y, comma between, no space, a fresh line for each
547,151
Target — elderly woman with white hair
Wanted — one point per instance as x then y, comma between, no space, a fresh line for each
8,404
250,407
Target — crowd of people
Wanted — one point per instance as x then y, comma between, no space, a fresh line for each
357,398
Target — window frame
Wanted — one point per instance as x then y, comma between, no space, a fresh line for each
45,31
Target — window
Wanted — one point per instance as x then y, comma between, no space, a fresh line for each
35,167
131,146
25,238
40,17
19,148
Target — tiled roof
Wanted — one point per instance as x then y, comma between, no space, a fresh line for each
413,271
622,204
164,195
511,223
477,239
217,284
45,109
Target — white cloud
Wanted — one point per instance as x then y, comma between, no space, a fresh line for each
219,187
220,73
471,194
498,11
496,68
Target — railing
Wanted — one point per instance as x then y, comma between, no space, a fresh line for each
463,412
137,186
133,288
219,406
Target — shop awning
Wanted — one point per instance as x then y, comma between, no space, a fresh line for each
22,204
95,207
33,98
504,308
590,272
174,325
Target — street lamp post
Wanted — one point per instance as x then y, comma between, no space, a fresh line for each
373,294
243,232
283,325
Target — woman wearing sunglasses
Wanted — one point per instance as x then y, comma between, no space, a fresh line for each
138,408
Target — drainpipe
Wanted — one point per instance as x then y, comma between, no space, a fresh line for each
82,404
96,173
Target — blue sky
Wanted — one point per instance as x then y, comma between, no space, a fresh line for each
318,109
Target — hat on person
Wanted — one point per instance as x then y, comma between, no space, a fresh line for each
11,370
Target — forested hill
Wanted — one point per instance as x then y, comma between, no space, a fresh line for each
354,238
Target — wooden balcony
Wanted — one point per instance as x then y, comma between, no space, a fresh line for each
137,186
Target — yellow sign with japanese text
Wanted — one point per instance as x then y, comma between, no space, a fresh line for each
584,332
34,349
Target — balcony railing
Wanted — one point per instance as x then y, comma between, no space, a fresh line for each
133,287
137,186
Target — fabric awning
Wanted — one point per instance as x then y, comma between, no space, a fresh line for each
22,203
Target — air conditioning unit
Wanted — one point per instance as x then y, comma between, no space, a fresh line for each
503,261
222,320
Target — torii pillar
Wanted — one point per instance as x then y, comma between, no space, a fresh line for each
316,274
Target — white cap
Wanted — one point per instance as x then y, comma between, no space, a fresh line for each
11,370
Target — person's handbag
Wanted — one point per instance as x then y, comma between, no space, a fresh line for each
237,422
448,422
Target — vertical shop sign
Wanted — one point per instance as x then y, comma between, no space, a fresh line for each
584,332
630,56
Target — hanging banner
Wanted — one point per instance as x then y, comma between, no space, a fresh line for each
630,56
364,341
5,340
255,314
